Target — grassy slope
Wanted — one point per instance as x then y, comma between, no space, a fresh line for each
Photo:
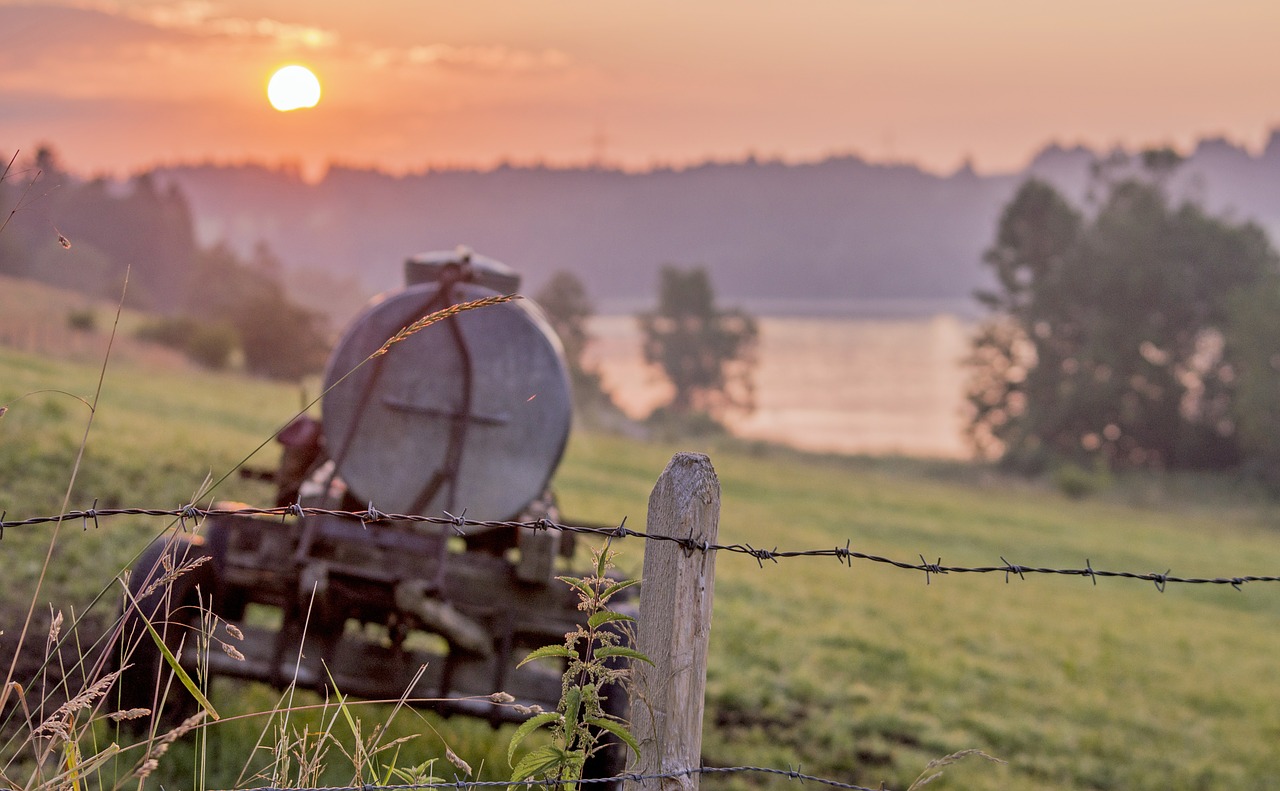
863,674
157,434
867,673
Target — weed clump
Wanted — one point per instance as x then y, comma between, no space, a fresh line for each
579,721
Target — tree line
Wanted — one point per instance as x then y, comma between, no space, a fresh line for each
1136,331
209,302
215,305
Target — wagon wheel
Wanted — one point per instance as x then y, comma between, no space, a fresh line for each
170,594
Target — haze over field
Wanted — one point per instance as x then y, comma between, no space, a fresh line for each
859,150
848,161
837,237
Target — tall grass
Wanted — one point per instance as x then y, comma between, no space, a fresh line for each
59,727
862,673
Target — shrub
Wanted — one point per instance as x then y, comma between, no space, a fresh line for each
171,331
210,344
85,320
1077,483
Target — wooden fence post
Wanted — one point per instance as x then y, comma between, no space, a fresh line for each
675,624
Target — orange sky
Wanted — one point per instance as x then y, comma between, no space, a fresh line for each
414,83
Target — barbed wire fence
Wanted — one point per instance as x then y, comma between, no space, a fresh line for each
844,554
790,774
688,540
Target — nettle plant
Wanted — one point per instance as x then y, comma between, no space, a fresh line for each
578,724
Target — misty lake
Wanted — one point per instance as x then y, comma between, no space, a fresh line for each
846,385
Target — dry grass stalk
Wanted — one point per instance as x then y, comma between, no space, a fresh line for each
441,315
58,723
171,573
55,630
938,763
456,761
163,744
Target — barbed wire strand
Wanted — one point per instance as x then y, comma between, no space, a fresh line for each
845,555
790,774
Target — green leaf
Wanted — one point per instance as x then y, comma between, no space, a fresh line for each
527,727
617,586
620,650
607,616
76,772
581,584
617,729
547,650
342,701
542,762
572,705
172,661
603,561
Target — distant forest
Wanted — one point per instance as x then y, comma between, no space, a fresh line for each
92,236
840,235
776,237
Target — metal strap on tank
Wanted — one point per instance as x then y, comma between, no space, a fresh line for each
448,472
460,420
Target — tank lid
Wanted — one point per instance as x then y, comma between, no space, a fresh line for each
478,269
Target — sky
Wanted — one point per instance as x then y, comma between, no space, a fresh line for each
119,86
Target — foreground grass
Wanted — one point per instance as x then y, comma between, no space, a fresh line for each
866,673
862,674
158,436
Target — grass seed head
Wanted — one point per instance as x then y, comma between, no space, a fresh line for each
456,761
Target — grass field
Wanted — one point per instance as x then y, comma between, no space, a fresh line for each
861,674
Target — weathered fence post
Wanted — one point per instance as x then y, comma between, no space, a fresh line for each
675,623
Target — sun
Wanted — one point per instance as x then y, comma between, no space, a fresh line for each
293,88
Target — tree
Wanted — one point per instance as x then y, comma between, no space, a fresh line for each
280,338
707,354
564,299
1254,347
148,231
1109,336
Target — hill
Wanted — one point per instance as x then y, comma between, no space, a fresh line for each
778,237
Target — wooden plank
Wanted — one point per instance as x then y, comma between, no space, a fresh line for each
675,624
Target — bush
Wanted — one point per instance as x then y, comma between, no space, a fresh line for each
1077,483
83,320
280,339
171,331
671,424
210,344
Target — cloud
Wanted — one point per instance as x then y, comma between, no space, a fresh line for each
135,50
492,58
32,35
203,18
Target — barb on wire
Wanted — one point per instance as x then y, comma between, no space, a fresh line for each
788,773
844,555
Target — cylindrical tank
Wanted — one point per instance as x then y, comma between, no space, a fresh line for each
472,412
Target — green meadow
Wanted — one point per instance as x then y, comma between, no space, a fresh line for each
861,673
